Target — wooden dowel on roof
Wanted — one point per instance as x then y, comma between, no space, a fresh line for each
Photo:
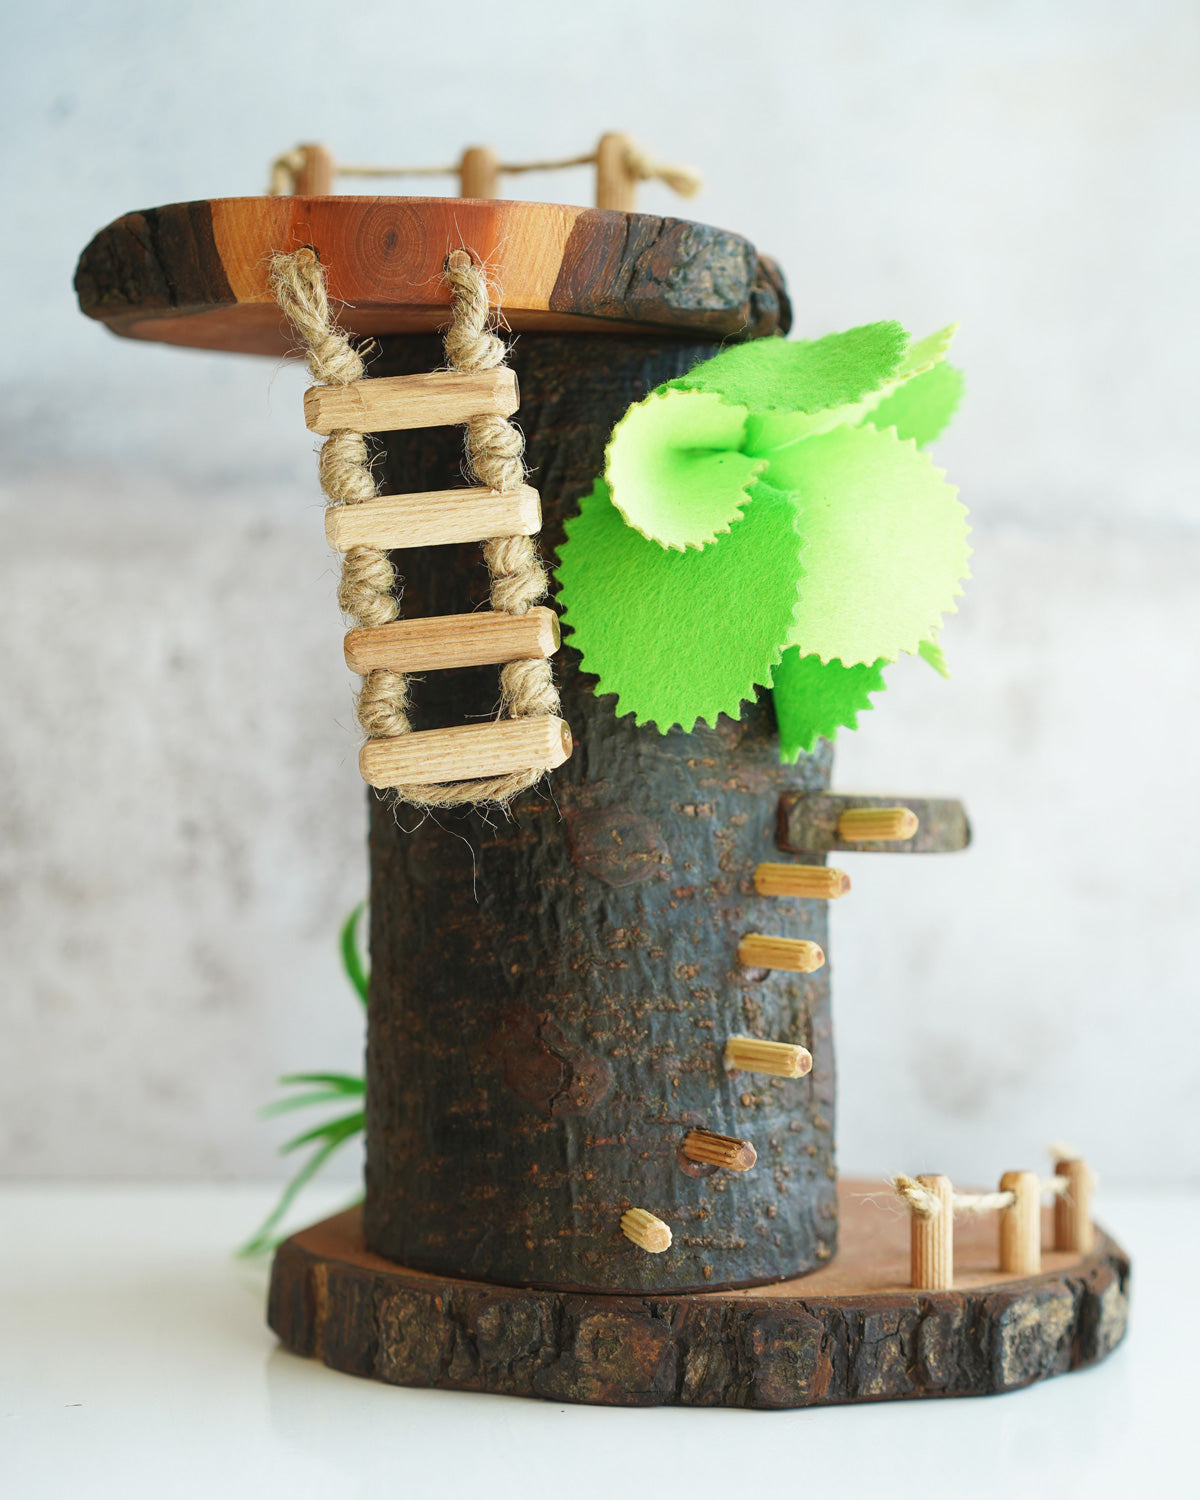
315,177
1021,1225
877,824
616,186
932,1257
1073,1228
479,173
816,882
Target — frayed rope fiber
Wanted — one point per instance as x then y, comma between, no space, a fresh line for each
495,457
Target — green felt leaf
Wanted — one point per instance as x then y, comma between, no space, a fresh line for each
931,651
680,637
802,375
814,699
674,469
886,543
766,432
924,353
920,408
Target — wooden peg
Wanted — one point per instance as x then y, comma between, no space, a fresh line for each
932,1266
1073,1208
1021,1225
746,1054
646,1231
616,186
877,824
315,176
758,951
478,173
433,518
394,403
465,752
818,882
443,642
719,1150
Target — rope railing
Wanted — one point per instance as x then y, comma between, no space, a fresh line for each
620,163
933,1205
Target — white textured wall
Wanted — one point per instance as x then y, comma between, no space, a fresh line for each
181,820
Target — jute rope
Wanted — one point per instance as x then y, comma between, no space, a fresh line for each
495,450
927,1205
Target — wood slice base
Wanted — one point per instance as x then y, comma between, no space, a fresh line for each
852,1331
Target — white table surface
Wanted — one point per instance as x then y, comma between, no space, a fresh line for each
134,1361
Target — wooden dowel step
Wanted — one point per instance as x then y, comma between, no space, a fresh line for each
758,951
441,642
434,518
465,752
932,1263
719,1150
877,824
810,823
747,1054
645,1230
1021,1225
1073,1208
818,882
396,402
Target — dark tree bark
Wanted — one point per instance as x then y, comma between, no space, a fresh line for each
551,994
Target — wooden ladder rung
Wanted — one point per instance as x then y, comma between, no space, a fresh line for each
434,518
442,642
394,402
466,752
758,951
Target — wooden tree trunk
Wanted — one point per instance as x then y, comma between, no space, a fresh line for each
551,992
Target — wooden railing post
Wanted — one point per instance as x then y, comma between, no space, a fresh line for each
932,1266
478,173
1021,1225
616,185
1073,1208
315,177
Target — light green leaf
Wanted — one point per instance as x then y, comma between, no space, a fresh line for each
931,652
674,469
886,544
921,407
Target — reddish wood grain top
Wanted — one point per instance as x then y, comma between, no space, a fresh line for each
196,273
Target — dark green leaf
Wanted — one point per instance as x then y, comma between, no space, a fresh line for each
341,1083
351,957
337,1130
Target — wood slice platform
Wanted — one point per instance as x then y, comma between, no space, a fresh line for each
196,273
852,1331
